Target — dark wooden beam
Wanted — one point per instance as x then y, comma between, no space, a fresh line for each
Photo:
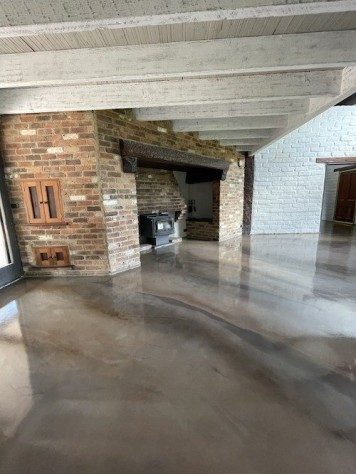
140,154
129,164
248,194
337,160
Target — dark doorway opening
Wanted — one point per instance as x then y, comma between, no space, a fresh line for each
346,197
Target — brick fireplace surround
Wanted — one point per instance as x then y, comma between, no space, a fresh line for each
81,149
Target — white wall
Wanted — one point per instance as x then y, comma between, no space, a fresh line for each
201,193
330,192
288,183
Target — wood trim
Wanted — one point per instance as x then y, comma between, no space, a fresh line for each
346,168
337,160
13,271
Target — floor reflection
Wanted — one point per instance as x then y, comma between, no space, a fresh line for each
16,391
200,361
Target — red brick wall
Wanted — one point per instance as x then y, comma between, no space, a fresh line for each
119,198
60,145
227,219
227,195
158,191
161,134
100,202
231,202
207,230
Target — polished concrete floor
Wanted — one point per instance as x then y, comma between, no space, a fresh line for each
230,358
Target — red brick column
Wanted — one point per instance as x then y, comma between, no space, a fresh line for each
119,198
231,202
63,146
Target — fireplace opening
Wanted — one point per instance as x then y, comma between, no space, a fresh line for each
171,208
200,202
161,206
201,220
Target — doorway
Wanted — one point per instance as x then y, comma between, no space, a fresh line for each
346,197
10,261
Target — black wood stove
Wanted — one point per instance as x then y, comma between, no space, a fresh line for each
156,228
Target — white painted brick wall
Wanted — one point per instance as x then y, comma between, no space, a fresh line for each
330,192
288,183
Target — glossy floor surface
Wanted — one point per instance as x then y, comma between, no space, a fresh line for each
230,358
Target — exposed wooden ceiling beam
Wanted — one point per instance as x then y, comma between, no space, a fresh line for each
347,88
237,134
333,49
233,123
232,109
254,89
53,18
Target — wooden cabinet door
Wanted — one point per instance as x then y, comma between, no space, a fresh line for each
33,200
55,256
52,201
43,256
345,205
60,256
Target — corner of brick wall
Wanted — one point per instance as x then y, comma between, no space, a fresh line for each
231,202
158,191
227,195
200,230
119,198
58,145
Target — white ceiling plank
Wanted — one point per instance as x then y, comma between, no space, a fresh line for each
243,142
257,92
333,49
237,134
246,148
224,110
91,15
348,88
232,123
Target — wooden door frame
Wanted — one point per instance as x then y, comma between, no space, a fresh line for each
13,271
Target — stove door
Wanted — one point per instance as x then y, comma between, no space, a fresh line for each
164,226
